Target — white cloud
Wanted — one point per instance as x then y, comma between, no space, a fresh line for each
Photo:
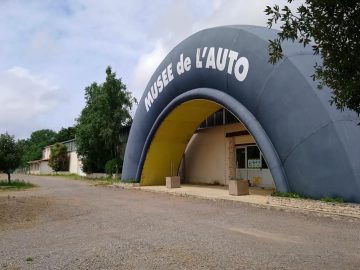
71,42
168,28
146,65
178,22
24,98
68,42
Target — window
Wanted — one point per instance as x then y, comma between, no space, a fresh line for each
230,118
253,157
241,158
250,157
253,152
219,117
210,121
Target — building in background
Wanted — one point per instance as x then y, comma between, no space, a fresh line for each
42,166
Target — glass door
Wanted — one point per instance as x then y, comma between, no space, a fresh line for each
251,165
241,168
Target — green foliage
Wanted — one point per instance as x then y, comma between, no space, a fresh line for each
59,160
299,196
34,146
287,195
10,154
105,181
129,181
113,166
15,184
333,27
65,134
72,176
333,200
101,131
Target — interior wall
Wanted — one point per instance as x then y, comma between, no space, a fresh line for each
205,157
209,157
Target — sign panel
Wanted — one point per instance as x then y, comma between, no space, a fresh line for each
254,163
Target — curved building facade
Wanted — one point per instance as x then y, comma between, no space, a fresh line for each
309,146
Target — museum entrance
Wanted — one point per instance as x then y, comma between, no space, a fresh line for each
210,152
222,149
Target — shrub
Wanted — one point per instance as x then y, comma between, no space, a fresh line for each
113,166
287,194
333,200
59,160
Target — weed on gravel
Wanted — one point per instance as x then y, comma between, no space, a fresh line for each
15,184
294,195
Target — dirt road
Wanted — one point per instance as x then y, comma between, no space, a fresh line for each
69,224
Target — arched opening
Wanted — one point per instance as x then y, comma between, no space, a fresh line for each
222,149
170,140
171,133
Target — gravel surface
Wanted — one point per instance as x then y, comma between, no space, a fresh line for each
70,224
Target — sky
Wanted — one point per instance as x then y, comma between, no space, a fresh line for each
51,50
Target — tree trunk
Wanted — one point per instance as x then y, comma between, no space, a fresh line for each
9,180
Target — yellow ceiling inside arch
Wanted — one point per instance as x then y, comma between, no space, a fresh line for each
171,138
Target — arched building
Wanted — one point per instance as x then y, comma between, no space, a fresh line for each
217,105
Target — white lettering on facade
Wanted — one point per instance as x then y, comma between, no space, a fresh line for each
198,62
232,57
148,101
164,78
187,64
244,63
219,59
210,62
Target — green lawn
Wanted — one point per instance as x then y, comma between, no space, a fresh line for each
101,181
15,185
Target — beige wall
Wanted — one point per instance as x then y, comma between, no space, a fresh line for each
210,157
42,167
75,165
205,157
46,152
34,168
45,168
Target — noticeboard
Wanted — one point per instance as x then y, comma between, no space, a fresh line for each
254,163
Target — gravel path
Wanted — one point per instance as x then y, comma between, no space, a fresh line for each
69,224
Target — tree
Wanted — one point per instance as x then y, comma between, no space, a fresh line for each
59,160
34,146
65,134
332,28
112,166
10,154
100,135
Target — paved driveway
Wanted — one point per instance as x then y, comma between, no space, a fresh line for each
69,224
